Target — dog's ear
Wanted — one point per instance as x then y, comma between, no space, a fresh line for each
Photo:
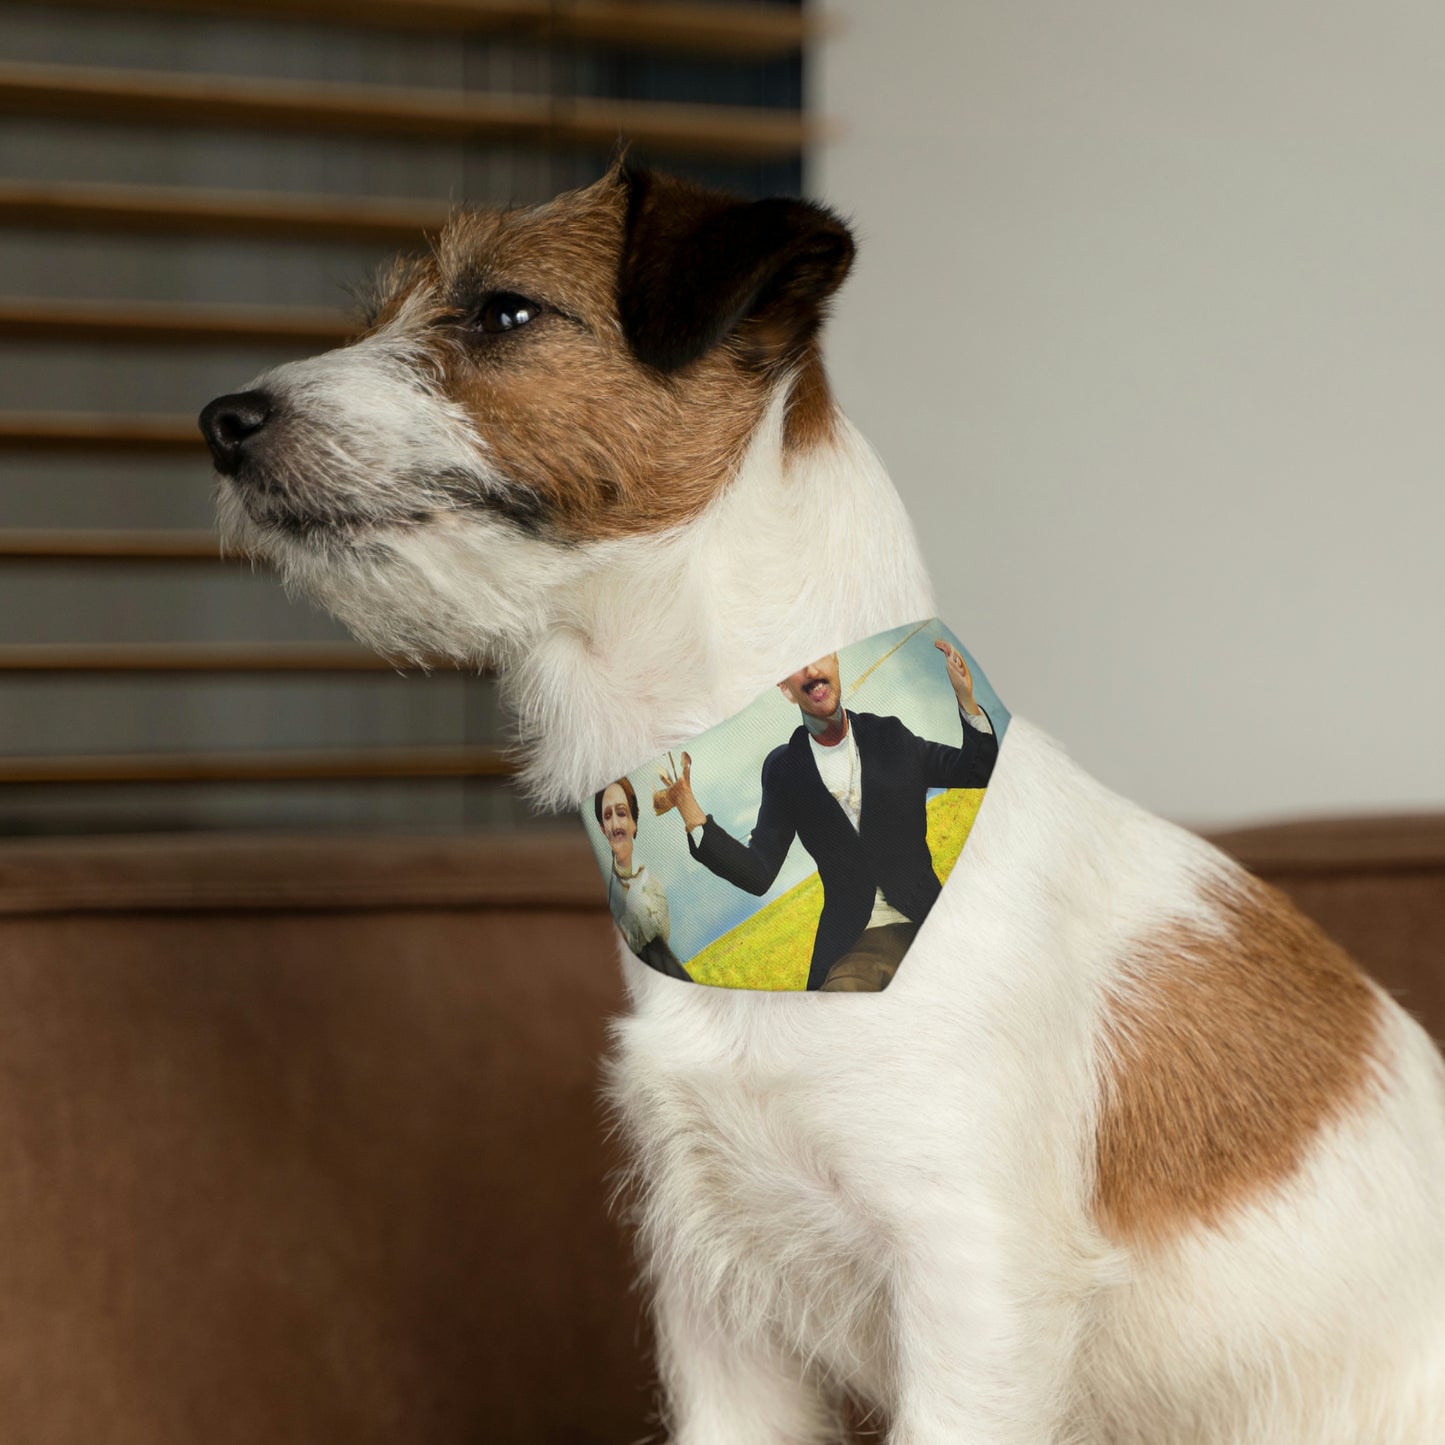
698,267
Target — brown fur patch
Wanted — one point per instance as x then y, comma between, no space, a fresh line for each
1227,1054
598,444
812,413
595,442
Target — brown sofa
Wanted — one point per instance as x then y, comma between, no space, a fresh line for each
299,1139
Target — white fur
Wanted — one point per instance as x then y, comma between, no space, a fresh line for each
890,1194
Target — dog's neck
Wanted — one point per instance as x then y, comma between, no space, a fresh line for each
664,637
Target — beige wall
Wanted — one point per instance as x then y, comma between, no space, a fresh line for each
1149,324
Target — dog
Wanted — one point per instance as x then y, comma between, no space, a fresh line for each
1128,1153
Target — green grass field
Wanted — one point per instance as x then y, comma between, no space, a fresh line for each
772,948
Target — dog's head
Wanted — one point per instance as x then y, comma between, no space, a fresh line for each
547,382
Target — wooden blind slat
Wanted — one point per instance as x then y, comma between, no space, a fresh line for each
108,546
169,323
176,211
705,29
269,767
215,101
753,31
95,431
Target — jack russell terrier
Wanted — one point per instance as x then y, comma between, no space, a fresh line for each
1127,1153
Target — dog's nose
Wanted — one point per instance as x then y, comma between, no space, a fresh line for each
229,422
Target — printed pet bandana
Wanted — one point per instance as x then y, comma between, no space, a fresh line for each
802,843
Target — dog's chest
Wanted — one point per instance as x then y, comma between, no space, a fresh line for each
751,1184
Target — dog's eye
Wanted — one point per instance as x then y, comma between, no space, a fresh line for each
506,311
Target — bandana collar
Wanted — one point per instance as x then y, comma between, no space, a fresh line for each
783,852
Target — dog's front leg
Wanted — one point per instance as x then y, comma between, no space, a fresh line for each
986,1345
722,1387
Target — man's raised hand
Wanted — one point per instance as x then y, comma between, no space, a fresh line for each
676,792
959,676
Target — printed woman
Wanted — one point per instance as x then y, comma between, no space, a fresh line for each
638,901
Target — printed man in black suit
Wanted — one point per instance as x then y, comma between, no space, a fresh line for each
853,788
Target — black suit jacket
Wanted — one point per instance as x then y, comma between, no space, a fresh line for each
889,849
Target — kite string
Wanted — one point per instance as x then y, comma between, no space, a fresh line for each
864,676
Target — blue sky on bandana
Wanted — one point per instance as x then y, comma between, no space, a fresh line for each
727,766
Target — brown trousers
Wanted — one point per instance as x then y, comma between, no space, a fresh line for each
869,966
